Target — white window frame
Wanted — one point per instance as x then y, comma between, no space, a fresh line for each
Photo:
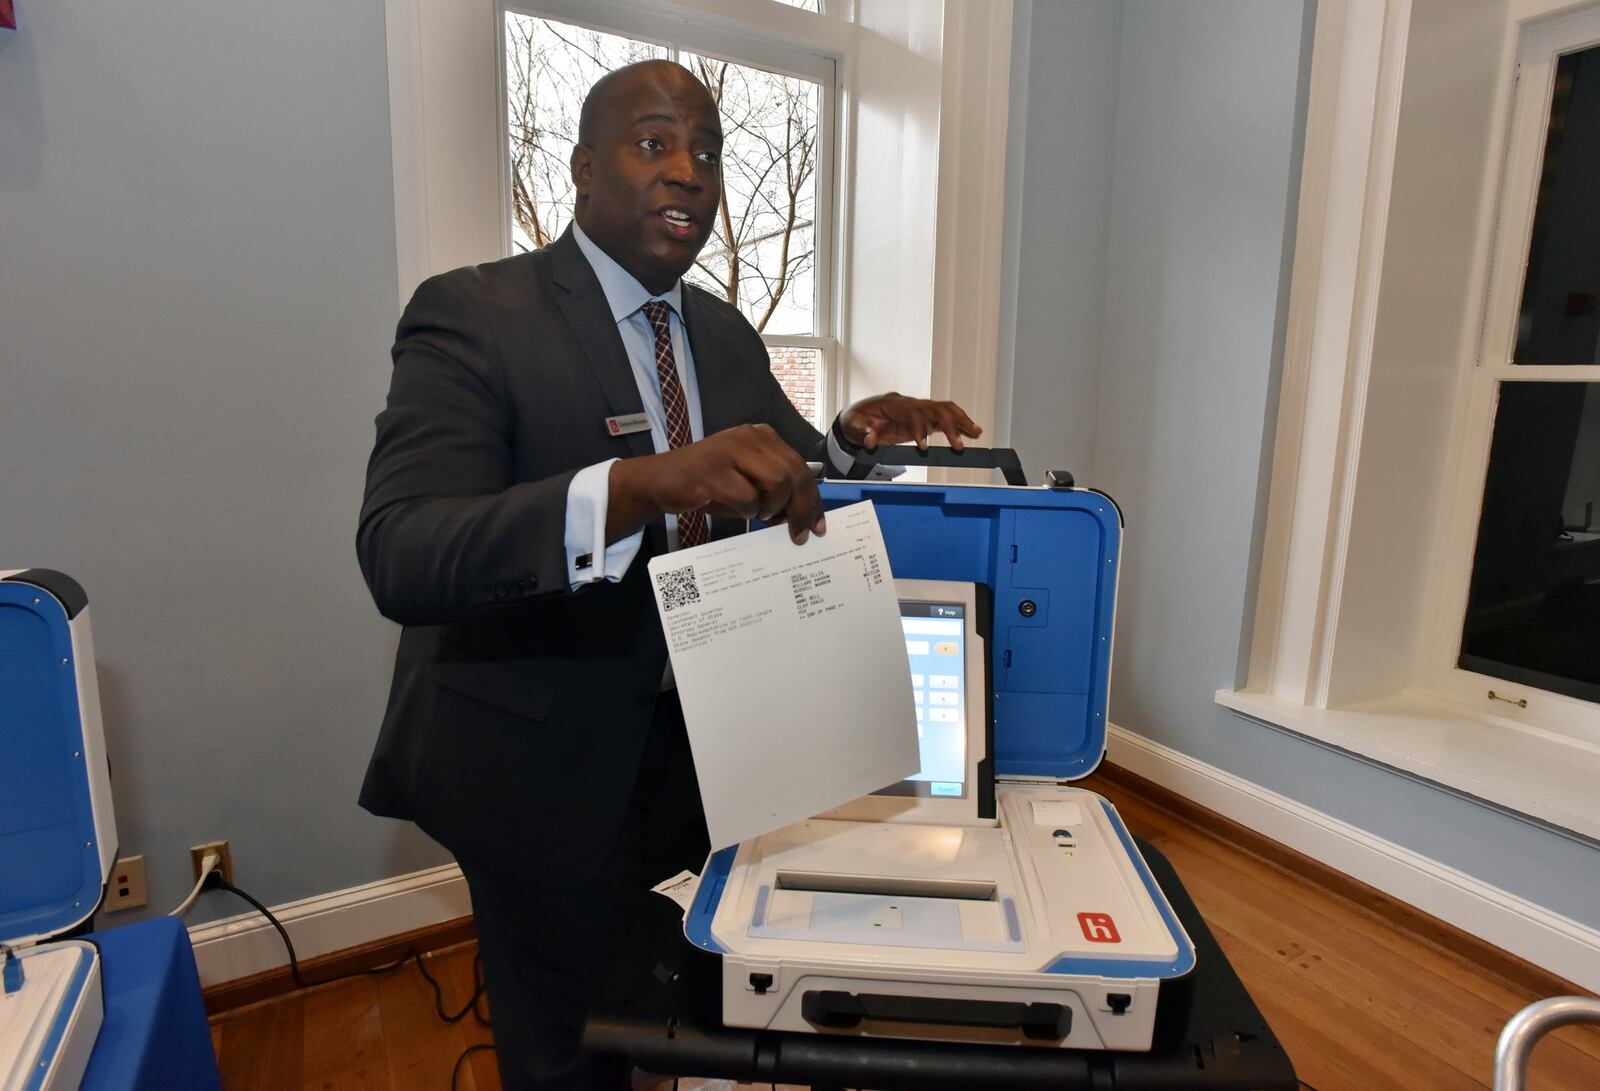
919,180
1330,657
680,35
1541,46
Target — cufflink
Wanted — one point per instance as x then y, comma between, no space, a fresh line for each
584,560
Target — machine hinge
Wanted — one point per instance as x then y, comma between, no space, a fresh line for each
1005,660
1013,552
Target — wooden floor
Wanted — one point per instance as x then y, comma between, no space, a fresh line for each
1359,1002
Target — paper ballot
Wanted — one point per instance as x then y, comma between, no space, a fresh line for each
791,665
1056,812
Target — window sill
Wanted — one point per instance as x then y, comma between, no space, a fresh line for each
1546,777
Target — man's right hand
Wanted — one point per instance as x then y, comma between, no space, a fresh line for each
746,472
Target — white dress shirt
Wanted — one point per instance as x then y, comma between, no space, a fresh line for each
590,489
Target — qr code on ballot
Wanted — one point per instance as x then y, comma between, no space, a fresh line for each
678,588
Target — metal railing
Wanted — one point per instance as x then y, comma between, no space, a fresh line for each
1527,1027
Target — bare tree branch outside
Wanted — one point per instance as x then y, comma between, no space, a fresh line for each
762,250
550,66
763,246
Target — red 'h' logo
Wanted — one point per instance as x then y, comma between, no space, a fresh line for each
1098,928
613,426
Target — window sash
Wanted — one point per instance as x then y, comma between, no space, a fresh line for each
1541,47
827,372
1546,709
1538,52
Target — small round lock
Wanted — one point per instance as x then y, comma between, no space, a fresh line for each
1027,608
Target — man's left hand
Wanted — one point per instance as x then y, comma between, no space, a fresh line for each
895,418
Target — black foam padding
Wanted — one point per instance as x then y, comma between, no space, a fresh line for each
62,587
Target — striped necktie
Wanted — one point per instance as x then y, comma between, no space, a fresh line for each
692,529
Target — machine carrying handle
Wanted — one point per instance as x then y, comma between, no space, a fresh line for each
1003,459
841,1010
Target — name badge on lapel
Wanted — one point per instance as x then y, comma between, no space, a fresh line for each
622,426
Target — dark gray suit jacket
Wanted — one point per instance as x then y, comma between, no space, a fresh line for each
519,707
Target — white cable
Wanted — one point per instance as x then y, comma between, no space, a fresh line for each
210,862
184,906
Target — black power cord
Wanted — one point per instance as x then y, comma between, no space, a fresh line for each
455,1073
413,954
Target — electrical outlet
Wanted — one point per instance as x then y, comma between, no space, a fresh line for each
127,889
198,852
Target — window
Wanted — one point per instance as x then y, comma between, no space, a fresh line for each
1532,612
766,252
909,177
1434,444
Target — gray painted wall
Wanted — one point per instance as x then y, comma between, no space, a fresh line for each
1200,218
1206,117
1061,139
197,290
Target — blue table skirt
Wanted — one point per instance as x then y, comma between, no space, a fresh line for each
155,1036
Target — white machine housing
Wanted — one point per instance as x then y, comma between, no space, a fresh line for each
58,841
1053,906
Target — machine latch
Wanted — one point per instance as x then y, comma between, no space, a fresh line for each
13,970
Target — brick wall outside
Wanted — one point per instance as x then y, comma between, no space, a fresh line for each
796,369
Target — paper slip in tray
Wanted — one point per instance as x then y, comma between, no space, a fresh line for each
791,666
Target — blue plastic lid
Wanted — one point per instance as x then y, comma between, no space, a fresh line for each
1049,558
49,860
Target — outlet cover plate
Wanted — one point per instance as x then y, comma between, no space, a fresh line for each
197,853
127,888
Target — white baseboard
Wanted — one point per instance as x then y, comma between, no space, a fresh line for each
236,947
1558,944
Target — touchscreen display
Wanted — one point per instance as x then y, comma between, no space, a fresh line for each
936,650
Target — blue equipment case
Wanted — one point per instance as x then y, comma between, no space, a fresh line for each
1049,559
1057,549
57,831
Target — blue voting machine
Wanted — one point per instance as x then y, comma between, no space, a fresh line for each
984,899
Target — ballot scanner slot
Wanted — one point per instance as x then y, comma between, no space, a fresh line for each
964,890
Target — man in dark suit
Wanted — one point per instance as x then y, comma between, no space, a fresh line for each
554,420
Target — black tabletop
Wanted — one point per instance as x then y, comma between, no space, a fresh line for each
661,1009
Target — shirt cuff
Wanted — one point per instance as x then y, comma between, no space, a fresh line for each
588,557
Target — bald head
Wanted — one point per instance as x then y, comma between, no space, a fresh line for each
615,87
647,169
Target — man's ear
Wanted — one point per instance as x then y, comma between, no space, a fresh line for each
582,163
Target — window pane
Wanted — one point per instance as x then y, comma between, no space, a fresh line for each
550,66
1533,615
762,252
799,372
1560,319
803,5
